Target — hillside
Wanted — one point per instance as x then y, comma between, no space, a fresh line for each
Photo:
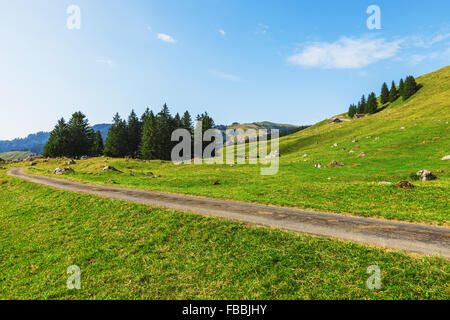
390,146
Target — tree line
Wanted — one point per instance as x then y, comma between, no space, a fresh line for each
147,137
406,89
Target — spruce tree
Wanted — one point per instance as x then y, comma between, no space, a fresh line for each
56,145
384,97
401,88
352,110
80,136
410,87
164,129
116,144
393,94
372,104
134,134
97,148
148,141
362,105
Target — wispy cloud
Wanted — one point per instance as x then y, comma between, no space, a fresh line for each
345,53
429,41
166,38
107,62
262,28
222,75
222,32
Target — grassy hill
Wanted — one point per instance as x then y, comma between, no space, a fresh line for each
16,155
404,138
133,251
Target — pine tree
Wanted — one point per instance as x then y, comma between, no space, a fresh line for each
393,94
352,110
134,128
80,136
384,97
56,145
401,88
148,141
362,105
372,104
410,87
207,123
97,148
164,129
117,140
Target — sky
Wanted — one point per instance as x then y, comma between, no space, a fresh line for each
294,62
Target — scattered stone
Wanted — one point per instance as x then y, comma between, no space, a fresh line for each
377,138
426,175
385,182
109,168
351,151
273,154
84,158
32,164
355,141
404,185
446,158
232,165
63,170
71,161
335,145
440,170
149,173
110,181
362,154
318,165
305,155
402,128
215,182
343,149
336,164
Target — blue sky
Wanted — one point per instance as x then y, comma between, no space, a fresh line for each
284,61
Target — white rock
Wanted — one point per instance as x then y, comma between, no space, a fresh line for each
446,158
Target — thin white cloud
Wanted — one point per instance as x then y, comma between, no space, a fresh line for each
107,62
222,32
345,53
428,42
416,58
222,75
166,38
148,28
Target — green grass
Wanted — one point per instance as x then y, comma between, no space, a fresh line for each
392,154
132,251
16,155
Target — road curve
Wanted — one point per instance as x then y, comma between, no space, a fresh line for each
418,238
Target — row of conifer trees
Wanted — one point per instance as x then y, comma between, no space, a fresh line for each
147,137
405,90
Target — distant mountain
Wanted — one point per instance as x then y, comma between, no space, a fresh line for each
35,142
16,155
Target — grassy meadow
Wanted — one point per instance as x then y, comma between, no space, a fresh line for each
401,139
132,251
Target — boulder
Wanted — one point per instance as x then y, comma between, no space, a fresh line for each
446,158
335,145
84,158
426,175
355,141
109,168
273,154
71,161
62,170
351,151
32,164
336,164
385,182
318,165
215,182
362,154
404,185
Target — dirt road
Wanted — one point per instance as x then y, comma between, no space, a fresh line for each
411,237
